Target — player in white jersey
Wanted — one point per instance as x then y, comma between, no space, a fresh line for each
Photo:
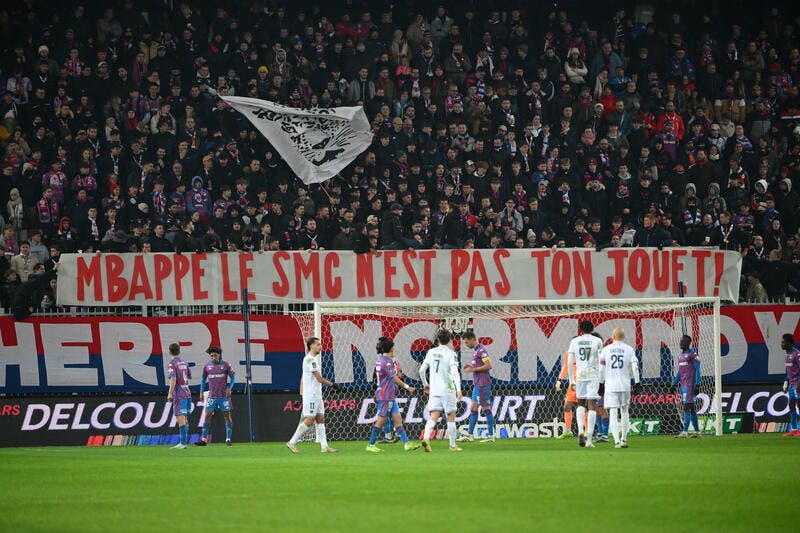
443,386
311,389
618,365
584,351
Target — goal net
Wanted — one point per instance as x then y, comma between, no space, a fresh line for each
527,344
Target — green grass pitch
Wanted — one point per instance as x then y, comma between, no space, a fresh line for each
730,483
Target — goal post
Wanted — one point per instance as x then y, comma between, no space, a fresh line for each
526,341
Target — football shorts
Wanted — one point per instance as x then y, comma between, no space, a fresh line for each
587,389
444,404
313,406
614,400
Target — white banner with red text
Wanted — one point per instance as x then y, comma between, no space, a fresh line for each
396,275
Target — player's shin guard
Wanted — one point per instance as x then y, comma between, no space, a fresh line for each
322,437
626,423
592,419
183,431
451,431
228,429
401,432
489,422
429,425
580,412
473,419
373,436
204,431
299,432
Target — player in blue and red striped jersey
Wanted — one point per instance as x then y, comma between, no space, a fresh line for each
215,374
792,382
179,374
480,366
389,435
688,378
388,382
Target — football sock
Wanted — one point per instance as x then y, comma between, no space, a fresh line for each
490,423
614,424
687,418
299,432
228,429
401,432
580,412
473,419
451,430
373,436
792,420
429,425
205,431
568,420
626,423
388,427
184,433
602,427
590,423
321,436
695,422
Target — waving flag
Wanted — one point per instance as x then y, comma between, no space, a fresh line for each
316,143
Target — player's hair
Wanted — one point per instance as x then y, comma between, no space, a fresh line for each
586,326
443,337
174,348
310,341
214,349
618,334
689,337
788,337
384,345
469,334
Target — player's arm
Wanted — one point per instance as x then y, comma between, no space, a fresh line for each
563,374
423,373
486,366
697,374
635,371
203,382
455,377
601,360
229,388
324,381
786,381
570,362
399,382
172,381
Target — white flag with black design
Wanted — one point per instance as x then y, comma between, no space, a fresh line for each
316,143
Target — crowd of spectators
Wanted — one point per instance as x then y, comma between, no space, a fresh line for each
496,125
